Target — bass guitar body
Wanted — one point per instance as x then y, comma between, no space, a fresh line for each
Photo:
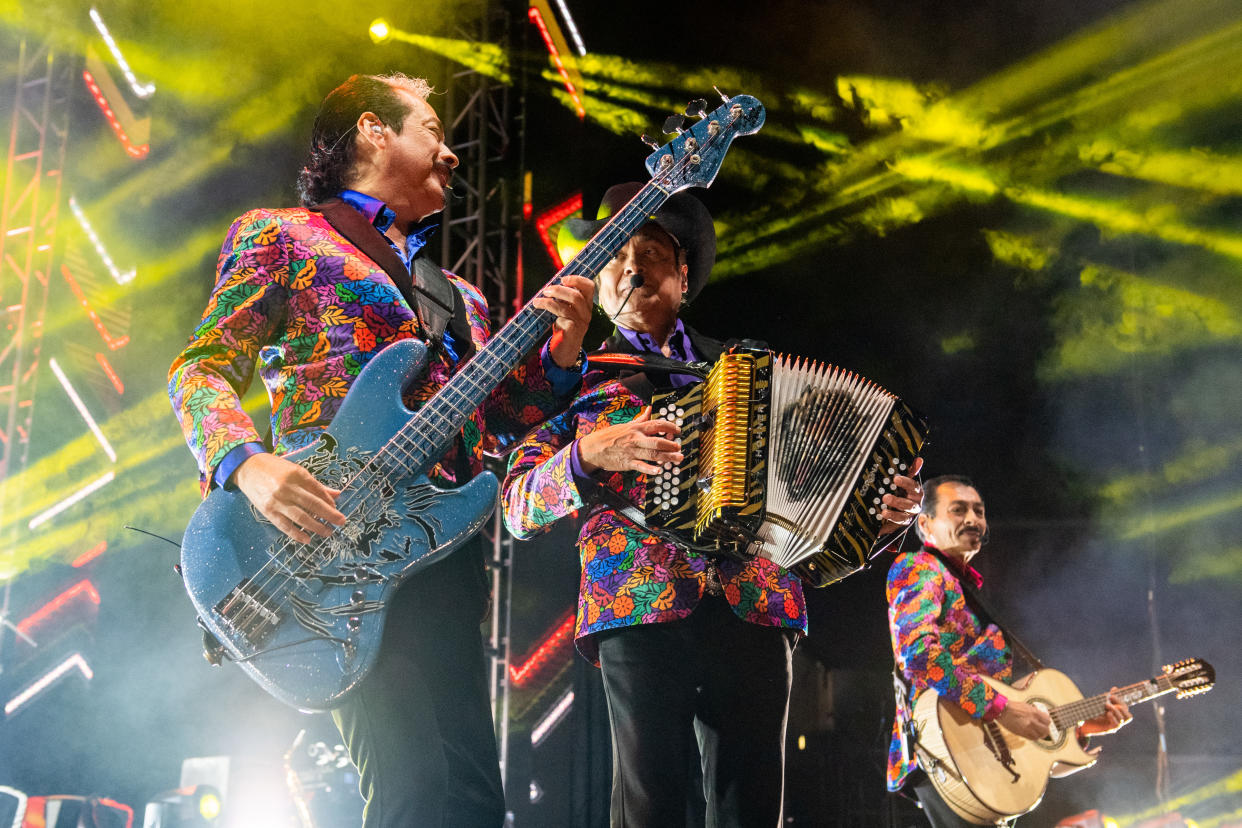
305,620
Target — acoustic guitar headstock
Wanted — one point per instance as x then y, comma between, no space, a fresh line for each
1191,676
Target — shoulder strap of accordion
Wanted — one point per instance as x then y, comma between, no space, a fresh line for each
648,363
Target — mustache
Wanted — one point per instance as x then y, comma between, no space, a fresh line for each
447,173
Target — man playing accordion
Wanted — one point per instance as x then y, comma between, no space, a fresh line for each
693,647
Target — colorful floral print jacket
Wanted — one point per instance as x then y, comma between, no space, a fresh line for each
303,306
629,577
939,643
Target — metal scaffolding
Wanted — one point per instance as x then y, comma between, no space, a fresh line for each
27,231
28,218
478,238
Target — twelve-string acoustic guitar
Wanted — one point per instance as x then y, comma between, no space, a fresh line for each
988,774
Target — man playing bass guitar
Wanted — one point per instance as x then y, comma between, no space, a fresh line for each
298,300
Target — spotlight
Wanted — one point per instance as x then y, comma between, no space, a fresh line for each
190,807
380,30
208,802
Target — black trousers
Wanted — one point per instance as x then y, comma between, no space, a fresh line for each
710,678
419,727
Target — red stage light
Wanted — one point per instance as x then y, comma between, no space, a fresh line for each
111,374
112,342
536,661
102,102
90,554
81,590
553,216
537,18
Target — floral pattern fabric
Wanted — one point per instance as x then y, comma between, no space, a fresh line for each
301,305
629,577
940,644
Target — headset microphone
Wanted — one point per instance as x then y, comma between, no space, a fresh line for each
636,281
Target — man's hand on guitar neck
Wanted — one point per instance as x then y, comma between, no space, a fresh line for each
1026,720
571,301
289,496
1116,715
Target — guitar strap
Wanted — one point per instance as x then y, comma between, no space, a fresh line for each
429,292
986,615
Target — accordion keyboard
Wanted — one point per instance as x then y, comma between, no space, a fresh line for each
785,459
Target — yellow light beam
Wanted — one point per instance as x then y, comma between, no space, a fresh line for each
488,59
1160,521
1228,785
1117,315
1196,464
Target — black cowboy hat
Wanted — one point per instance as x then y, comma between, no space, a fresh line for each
683,217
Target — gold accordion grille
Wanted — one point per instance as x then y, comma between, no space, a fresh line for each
725,443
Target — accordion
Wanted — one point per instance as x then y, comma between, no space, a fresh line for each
785,459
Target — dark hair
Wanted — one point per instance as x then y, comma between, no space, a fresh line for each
931,494
332,145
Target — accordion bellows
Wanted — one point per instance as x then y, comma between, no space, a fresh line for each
786,459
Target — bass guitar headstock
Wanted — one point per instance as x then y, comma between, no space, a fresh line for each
1191,676
693,158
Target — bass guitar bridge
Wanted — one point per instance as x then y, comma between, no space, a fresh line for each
249,613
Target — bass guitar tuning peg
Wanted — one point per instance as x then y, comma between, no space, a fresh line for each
673,124
649,141
697,108
722,95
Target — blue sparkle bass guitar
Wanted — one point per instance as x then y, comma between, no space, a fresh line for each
305,620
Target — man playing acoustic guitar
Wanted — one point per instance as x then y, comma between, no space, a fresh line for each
941,643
